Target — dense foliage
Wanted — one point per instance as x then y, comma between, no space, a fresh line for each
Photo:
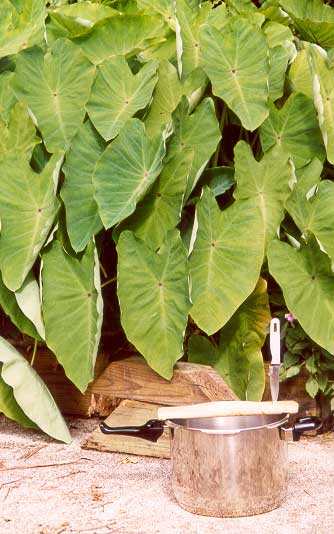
183,150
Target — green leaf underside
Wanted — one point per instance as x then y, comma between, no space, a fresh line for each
237,64
224,264
19,30
82,217
56,88
316,215
10,407
131,34
160,210
264,183
31,393
295,129
300,76
19,137
307,281
198,132
11,308
28,206
238,357
125,171
323,95
28,298
313,20
278,60
117,94
153,296
71,311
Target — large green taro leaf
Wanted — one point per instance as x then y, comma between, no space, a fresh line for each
125,171
189,20
168,93
236,61
74,20
160,210
20,29
316,215
56,88
295,129
11,308
165,8
307,282
19,136
300,76
154,298
72,310
198,132
225,261
312,19
130,34
82,217
28,206
9,406
117,94
31,394
323,94
264,183
238,357
7,97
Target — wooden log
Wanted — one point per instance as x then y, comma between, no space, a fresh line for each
133,379
130,413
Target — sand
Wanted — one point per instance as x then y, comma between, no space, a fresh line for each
51,488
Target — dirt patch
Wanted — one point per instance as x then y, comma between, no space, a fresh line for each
51,488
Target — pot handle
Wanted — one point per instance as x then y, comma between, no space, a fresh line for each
305,424
151,430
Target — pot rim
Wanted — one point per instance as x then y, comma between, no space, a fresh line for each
173,423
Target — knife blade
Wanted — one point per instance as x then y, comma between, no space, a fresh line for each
275,349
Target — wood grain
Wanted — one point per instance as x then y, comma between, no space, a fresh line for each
130,413
133,379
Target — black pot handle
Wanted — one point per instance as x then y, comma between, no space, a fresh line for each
151,430
305,424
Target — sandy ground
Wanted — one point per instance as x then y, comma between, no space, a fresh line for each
51,488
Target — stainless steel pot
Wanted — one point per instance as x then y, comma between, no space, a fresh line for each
227,466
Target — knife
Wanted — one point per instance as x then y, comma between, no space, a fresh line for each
275,349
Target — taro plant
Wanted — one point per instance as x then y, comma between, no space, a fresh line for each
181,152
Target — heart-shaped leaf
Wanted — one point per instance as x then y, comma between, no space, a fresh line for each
125,171
236,61
72,310
154,298
26,218
265,183
225,263
31,394
82,216
56,88
117,94
295,129
307,282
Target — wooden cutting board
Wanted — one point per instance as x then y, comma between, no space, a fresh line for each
130,412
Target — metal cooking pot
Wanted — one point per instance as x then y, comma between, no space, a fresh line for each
227,466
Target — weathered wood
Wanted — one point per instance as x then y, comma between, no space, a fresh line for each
130,413
133,379
69,399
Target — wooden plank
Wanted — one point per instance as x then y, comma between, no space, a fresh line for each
191,383
130,412
69,399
